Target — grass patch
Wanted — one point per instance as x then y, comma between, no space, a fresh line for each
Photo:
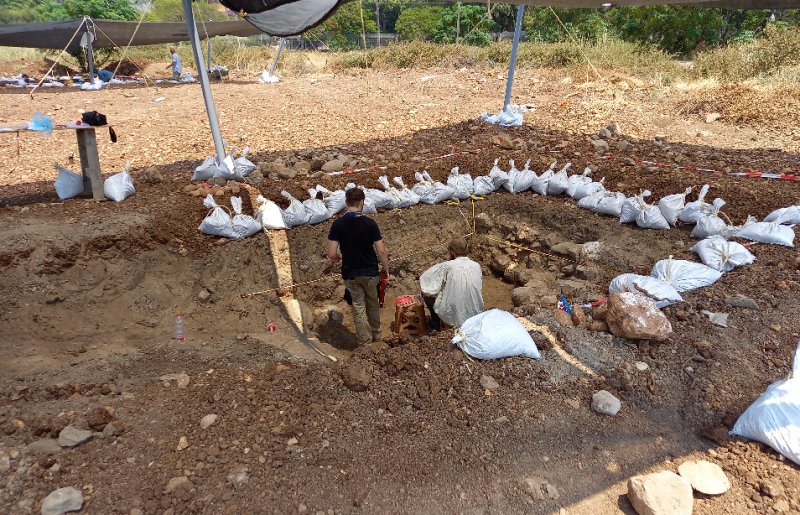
767,57
747,104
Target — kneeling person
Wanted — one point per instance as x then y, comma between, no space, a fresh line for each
453,290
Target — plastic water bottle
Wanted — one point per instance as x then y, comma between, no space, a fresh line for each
180,335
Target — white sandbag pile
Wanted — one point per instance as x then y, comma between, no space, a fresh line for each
430,191
539,184
559,182
720,254
68,184
461,184
685,275
692,211
785,215
315,206
119,186
766,232
499,177
711,224
243,226
212,168
661,293
406,196
774,418
589,188
495,334
576,180
243,166
632,206
519,180
334,200
296,213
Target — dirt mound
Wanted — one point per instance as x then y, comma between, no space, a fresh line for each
742,104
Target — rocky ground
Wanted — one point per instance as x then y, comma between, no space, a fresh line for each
413,425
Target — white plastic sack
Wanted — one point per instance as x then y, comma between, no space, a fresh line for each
685,275
650,217
119,186
661,293
672,206
211,168
610,203
244,226
511,116
268,214
243,166
694,210
589,188
718,253
318,211
499,177
461,184
217,222
483,185
267,78
519,180
68,184
774,418
407,197
711,224
430,191
495,334
576,180
296,214
379,199
559,182
632,206
785,215
539,184
392,198
334,200
767,232
95,85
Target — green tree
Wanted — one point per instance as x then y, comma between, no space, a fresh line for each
343,29
475,25
172,10
418,23
18,11
541,24
675,29
100,9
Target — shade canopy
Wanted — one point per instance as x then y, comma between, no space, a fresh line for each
108,34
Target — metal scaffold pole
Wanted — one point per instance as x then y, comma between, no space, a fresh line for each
512,64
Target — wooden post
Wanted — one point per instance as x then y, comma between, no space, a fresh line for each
90,163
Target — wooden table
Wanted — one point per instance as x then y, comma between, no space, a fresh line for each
87,148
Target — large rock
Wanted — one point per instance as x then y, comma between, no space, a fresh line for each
634,316
526,295
71,436
661,493
540,489
334,165
63,500
209,419
600,145
705,477
44,446
568,248
605,403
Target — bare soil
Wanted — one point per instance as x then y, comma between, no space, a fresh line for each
90,291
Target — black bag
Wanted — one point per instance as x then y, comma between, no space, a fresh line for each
96,119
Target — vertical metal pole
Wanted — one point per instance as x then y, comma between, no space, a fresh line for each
512,64
458,22
89,53
281,44
378,20
211,109
208,52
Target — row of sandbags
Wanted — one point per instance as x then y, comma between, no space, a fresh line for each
118,187
230,168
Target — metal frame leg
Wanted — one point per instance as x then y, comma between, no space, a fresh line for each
512,63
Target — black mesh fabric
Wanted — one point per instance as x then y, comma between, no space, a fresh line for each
294,18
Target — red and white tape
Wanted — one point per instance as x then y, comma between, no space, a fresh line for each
761,175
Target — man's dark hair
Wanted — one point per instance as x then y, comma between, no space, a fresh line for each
458,247
354,196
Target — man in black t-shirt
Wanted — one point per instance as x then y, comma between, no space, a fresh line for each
359,240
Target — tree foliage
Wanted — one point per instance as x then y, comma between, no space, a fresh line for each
18,11
100,9
418,23
475,25
172,10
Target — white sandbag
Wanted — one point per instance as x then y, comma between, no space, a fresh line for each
243,166
68,184
685,275
767,232
461,184
694,210
206,170
672,206
390,200
296,214
610,203
119,186
244,226
650,217
217,222
711,224
661,293
318,211
774,418
499,177
718,253
379,198
590,202
334,200
539,184
519,180
632,206
268,214
589,188
433,192
407,197
559,182
483,185
785,215
495,334
576,180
